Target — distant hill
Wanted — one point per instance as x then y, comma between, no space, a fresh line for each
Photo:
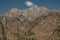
37,23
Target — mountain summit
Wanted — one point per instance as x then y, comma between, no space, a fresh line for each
37,23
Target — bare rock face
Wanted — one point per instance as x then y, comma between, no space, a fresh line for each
30,24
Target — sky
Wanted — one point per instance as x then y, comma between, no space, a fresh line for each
6,5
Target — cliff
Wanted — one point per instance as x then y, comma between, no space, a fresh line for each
30,24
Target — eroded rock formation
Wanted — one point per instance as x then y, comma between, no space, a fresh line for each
30,24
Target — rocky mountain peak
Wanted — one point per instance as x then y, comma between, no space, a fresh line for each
37,23
30,13
14,10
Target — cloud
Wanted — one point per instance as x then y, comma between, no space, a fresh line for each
28,3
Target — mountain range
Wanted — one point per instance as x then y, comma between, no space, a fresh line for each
37,23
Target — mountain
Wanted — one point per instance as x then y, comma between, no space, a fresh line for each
37,23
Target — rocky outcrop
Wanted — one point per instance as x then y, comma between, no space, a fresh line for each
30,24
